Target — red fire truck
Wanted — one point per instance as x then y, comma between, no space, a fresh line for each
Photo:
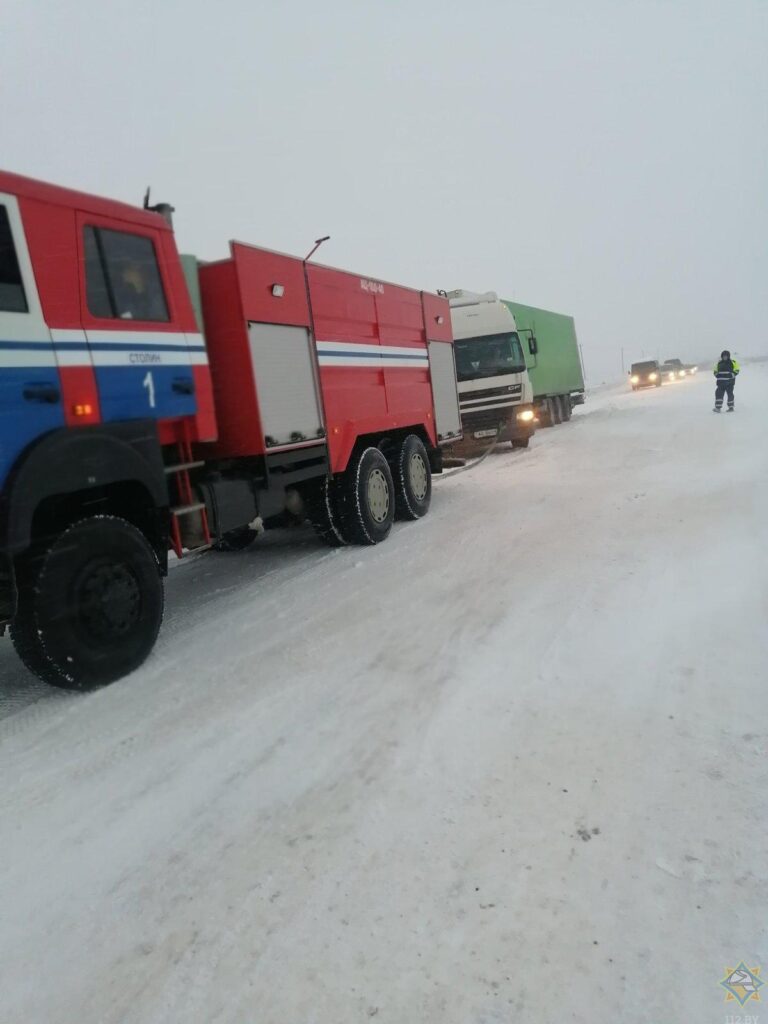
150,403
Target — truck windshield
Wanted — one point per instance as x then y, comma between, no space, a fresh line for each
488,356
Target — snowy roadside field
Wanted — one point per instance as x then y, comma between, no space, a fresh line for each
508,766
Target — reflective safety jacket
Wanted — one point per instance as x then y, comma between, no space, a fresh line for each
726,371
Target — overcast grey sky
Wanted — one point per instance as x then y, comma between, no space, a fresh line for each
605,159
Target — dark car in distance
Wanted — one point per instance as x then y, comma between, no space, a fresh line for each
645,375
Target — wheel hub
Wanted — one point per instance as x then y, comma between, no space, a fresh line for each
378,496
417,476
109,601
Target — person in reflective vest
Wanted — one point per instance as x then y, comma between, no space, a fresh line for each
726,370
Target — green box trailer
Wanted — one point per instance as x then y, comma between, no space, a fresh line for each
553,360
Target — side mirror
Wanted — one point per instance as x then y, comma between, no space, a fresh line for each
533,345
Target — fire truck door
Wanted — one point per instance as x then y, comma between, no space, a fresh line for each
286,384
30,389
444,390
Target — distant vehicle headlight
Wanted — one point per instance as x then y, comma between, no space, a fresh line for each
671,375
653,376
695,368
682,373
526,415
635,379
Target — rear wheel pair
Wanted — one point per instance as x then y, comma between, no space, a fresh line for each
557,409
360,505
551,413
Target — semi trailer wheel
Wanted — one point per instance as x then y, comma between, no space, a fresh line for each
366,499
413,479
565,402
90,605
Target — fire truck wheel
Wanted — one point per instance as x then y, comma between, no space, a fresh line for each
322,512
413,479
90,605
366,499
236,540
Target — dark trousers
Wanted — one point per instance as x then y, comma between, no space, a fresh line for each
724,387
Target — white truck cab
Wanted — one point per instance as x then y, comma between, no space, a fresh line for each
495,393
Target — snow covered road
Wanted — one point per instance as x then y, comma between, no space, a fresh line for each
508,766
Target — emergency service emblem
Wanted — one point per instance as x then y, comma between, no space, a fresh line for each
742,983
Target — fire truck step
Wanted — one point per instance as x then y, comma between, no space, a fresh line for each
185,510
183,466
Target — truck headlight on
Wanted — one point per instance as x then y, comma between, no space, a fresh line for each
682,373
525,416
634,380
653,376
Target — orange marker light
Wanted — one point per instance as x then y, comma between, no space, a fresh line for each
83,410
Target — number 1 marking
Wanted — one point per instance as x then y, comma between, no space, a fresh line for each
149,384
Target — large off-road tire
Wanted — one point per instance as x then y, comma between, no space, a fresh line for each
366,498
322,512
520,442
413,479
236,540
90,605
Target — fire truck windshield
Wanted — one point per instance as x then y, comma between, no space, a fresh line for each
489,356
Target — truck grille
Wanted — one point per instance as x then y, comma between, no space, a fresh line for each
490,396
483,419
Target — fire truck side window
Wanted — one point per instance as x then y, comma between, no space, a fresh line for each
122,277
12,297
